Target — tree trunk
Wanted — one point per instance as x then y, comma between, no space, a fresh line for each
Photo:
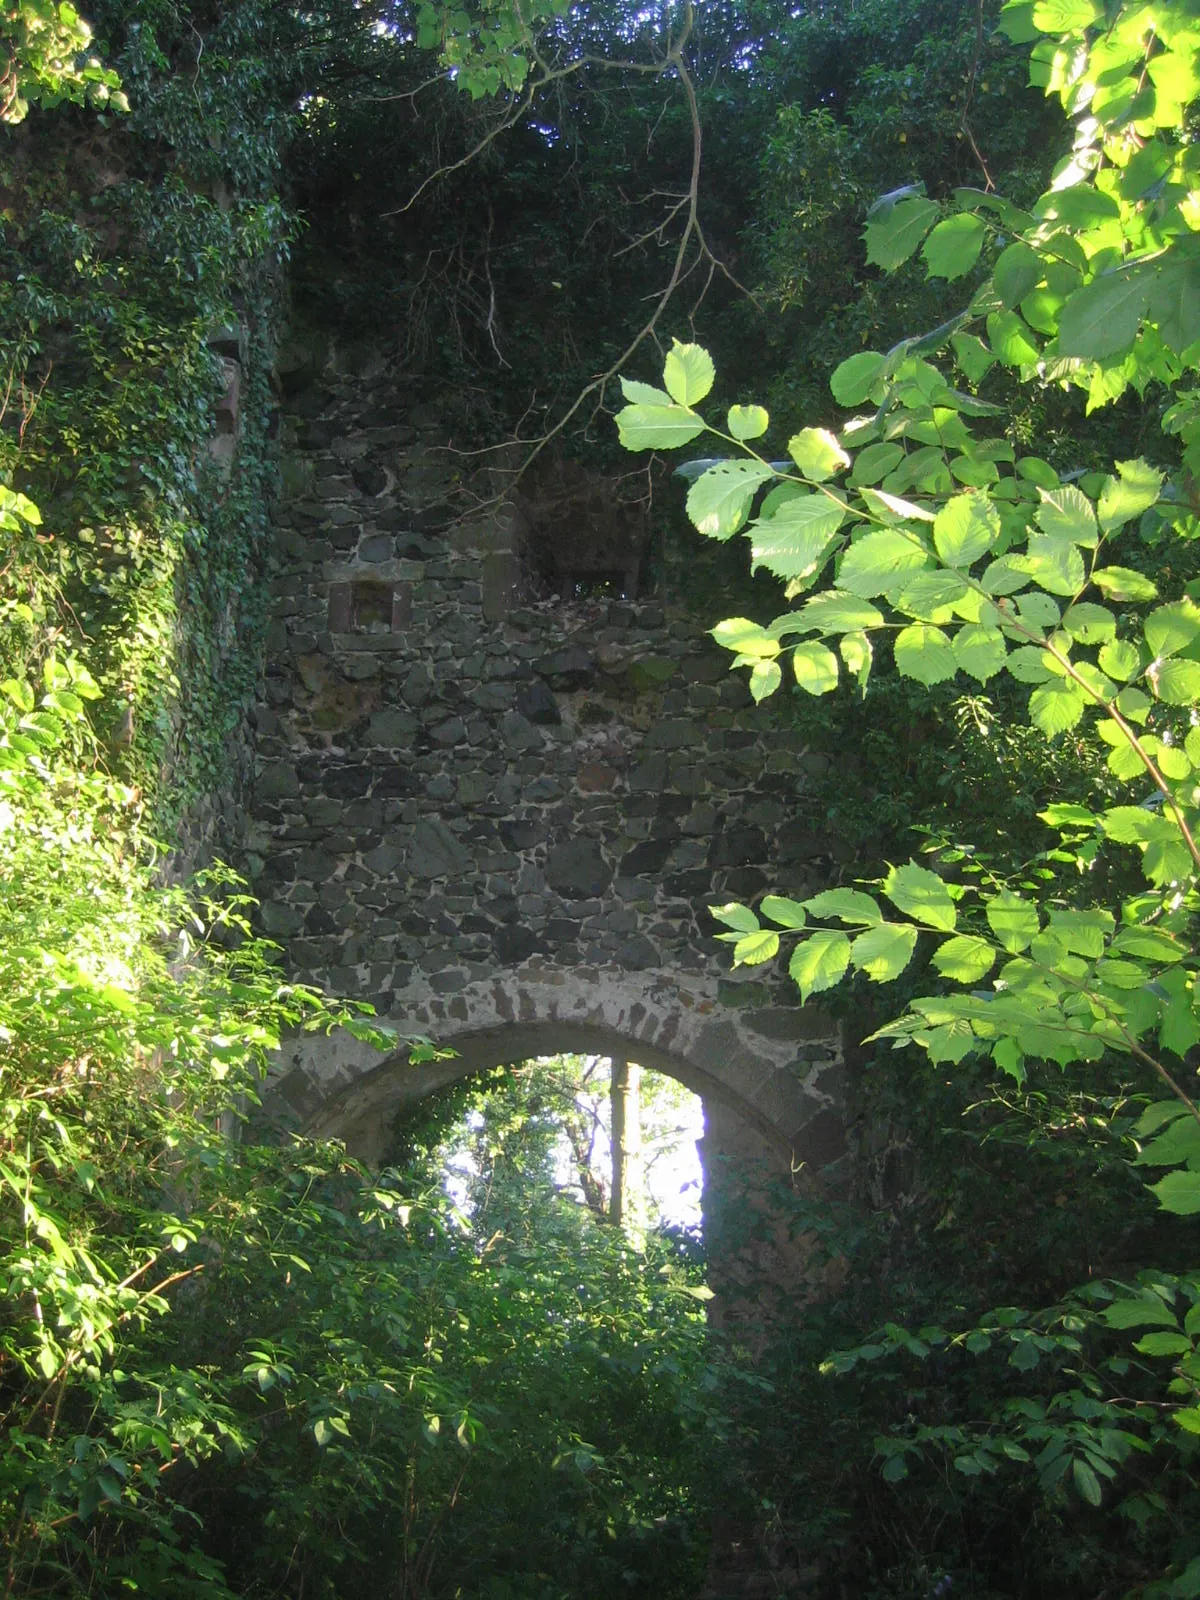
625,1207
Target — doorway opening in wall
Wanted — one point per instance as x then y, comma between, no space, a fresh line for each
567,1365
595,1131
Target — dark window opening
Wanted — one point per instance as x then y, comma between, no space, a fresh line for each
368,605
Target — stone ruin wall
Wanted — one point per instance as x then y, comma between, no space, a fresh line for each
479,812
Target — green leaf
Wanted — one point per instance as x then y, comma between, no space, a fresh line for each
1136,825
1121,583
819,962
1056,706
720,499
765,678
644,394
922,895
787,913
854,379
1102,318
1012,343
1055,564
818,454
847,905
736,916
688,373
965,958
1086,1481
953,247
974,358
657,427
1133,491
1067,513
1013,920
746,638
1018,269
1172,627
1140,1311
1164,1344
747,422
1179,1192
795,541
895,229
1120,659
1090,624
980,651
965,528
925,653
754,948
884,952
836,612
1177,683
1067,16
872,563
815,667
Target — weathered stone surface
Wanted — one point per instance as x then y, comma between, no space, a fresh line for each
538,704
435,852
519,733
570,668
514,944
578,867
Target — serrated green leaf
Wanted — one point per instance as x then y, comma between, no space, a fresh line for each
795,541
922,895
1119,659
925,653
817,454
746,637
787,913
1013,920
965,528
974,358
872,564
643,427
719,501
765,678
815,666
688,373
1102,318
1054,707
1018,269
980,651
1179,1193
1090,624
854,379
747,422
754,948
819,962
965,958
1054,564
644,394
894,231
1172,627
737,916
846,905
836,612
953,247
1067,513
1134,490
1122,583
1176,683
884,952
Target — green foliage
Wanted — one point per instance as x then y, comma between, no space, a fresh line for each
48,60
959,557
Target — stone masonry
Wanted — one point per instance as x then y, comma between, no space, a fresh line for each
502,821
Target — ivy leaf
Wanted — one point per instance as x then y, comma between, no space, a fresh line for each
819,962
953,247
922,895
747,422
895,228
815,667
925,653
884,952
720,499
688,373
645,427
964,959
818,454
